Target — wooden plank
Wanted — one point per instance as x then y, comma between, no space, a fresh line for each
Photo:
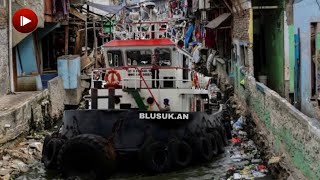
79,15
77,49
95,43
228,6
226,27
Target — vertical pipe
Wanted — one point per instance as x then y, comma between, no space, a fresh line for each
10,67
95,43
86,29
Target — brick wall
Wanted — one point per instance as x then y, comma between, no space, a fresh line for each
241,25
287,131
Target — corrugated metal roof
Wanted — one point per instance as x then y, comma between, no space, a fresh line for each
217,21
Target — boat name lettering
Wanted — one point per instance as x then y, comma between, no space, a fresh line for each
163,116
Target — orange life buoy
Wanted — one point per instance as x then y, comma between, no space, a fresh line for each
113,78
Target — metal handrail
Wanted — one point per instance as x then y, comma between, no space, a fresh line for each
139,34
138,72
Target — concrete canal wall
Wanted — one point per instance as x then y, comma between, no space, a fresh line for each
23,112
288,132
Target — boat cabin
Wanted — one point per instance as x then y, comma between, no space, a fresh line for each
152,68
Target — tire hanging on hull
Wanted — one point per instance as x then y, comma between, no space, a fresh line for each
155,157
51,148
86,154
214,144
202,148
180,152
219,142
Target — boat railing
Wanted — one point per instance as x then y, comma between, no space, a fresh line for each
127,31
138,80
124,35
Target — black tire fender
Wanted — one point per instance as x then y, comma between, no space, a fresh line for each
50,152
86,154
156,157
45,142
180,152
219,142
205,148
214,144
223,134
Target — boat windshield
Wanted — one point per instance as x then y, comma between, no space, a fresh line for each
164,57
139,57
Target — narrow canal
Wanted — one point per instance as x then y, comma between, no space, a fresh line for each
241,160
218,169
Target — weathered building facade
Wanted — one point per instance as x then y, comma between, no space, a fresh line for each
37,98
265,49
306,29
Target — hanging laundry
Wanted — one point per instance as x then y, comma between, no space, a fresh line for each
195,5
196,55
185,7
198,32
188,35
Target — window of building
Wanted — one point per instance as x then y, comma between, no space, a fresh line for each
115,58
164,57
244,55
139,57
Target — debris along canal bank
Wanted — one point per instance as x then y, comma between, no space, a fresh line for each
241,159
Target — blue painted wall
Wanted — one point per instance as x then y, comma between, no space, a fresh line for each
28,57
305,12
69,70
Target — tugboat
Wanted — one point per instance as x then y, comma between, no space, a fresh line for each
147,108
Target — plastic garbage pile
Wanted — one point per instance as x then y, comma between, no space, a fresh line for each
247,162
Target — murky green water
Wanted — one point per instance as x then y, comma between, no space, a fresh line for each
214,170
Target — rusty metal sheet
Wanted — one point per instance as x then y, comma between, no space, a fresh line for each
217,21
81,16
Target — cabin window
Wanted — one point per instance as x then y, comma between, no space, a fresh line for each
164,56
115,58
139,57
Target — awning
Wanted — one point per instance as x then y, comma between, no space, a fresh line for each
217,21
106,8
